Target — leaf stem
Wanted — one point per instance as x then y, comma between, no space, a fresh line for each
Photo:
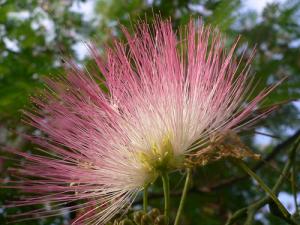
293,184
262,184
183,196
266,200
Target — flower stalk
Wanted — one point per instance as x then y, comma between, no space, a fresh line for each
183,196
166,187
145,198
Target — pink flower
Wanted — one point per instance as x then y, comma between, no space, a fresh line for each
166,95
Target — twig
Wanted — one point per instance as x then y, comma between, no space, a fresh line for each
268,135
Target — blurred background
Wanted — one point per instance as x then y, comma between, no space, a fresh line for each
35,36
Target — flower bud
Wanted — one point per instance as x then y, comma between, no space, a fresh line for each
137,217
126,222
146,220
154,213
160,220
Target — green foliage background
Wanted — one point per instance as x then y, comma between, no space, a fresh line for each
35,36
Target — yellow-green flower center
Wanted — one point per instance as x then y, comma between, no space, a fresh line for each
160,159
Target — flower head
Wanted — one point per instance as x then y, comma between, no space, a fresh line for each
166,95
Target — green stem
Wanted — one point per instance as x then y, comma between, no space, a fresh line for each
183,196
166,186
250,217
266,200
293,183
262,184
145,198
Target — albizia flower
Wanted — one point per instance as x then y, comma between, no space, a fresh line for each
166,96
